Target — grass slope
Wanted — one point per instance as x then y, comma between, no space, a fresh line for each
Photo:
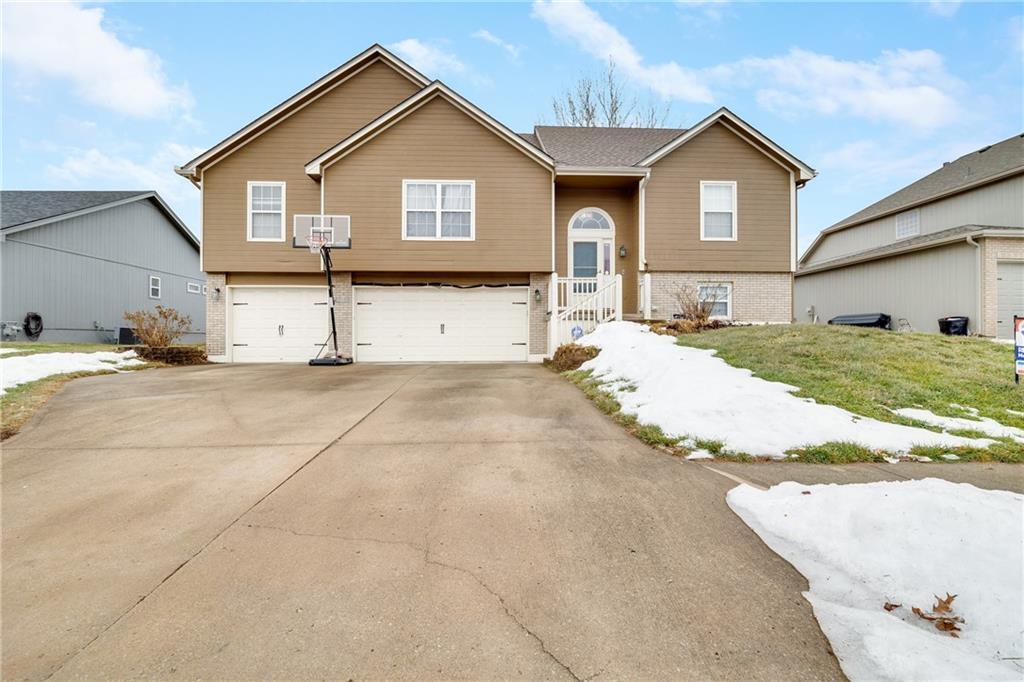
35,347
869,371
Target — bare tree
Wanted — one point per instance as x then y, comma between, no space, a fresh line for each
604,101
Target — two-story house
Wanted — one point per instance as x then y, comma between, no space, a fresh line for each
455,238
949,244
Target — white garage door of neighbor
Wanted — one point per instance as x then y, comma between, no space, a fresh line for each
278,324
441,324
1009,297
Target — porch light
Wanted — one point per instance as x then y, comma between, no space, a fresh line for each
622,251
536,295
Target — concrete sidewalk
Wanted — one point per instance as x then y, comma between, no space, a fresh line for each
377,521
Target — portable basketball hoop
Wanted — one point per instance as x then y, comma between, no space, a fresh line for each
318,244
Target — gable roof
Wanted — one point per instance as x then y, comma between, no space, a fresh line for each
436,89
986,165
602,147
26,209
318,87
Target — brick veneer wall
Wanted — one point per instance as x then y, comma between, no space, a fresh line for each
539,313
756,296
994,249
216,313
343,301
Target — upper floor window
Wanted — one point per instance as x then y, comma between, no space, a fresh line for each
193,287
154,286
718,211
266,211
908,224
591,219
438,209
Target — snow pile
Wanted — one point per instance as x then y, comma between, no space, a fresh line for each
25,368
863,545
7,351
985,425
691,392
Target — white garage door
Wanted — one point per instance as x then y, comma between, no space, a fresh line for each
1009,297
278,324
432,324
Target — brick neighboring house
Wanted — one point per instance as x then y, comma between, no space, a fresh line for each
951,243
456,238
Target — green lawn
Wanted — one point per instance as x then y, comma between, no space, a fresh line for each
31,348
867,371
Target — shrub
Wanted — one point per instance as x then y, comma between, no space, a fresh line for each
569,356
160,327
173,355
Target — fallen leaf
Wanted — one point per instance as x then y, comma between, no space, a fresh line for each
806,492
921,614
889,606
944,605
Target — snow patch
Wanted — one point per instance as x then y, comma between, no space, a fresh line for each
986,425
700,454
862,545
25,368
6,351
691,392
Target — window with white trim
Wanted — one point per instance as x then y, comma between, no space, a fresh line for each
154,286
433,209
717,296
266,202
908,224
204,290
718,210
193,287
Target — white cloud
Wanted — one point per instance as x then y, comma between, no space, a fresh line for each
709,9
485,35
944,8
428,58
98,169
910,88
592,34
867,164
63,40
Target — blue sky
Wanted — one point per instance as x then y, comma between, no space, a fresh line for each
873,95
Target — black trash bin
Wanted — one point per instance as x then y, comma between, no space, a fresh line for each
879,320
953,326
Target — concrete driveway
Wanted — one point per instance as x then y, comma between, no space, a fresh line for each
445,521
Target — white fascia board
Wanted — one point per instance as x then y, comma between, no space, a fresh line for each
631,171
805,172
315,167
188,169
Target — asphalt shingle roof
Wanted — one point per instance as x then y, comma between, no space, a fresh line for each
601,147
970,168
18,207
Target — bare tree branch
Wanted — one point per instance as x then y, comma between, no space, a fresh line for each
591,102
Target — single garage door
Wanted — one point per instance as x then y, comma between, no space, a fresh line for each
1009,297
441,324
278,324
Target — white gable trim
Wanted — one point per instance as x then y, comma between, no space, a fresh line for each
316,167
189,169
805,172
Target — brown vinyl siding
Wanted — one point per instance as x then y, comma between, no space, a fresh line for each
673,208
280,154
440,142
619,203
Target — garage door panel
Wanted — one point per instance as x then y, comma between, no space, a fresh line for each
1009,297
430,324
278,324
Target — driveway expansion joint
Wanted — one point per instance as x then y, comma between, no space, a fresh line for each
424,551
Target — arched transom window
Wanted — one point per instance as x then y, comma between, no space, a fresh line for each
591,219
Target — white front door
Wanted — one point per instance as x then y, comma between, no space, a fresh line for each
278,324
441,324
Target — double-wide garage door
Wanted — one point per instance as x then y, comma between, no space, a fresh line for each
439,324
391,324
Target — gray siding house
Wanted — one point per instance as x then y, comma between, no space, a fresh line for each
951,243
80,260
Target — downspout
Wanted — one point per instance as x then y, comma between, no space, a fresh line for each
979,283
645,304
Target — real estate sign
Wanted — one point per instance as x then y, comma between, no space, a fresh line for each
1018,346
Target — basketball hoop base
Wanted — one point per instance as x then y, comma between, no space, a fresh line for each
317,362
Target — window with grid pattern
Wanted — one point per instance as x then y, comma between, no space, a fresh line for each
439,209
266,211
718,210
908,224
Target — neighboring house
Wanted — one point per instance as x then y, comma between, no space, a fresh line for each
80,260
467,241
951,243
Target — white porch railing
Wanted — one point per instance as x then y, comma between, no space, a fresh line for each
584,303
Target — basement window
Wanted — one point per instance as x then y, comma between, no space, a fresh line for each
717,296
908,224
